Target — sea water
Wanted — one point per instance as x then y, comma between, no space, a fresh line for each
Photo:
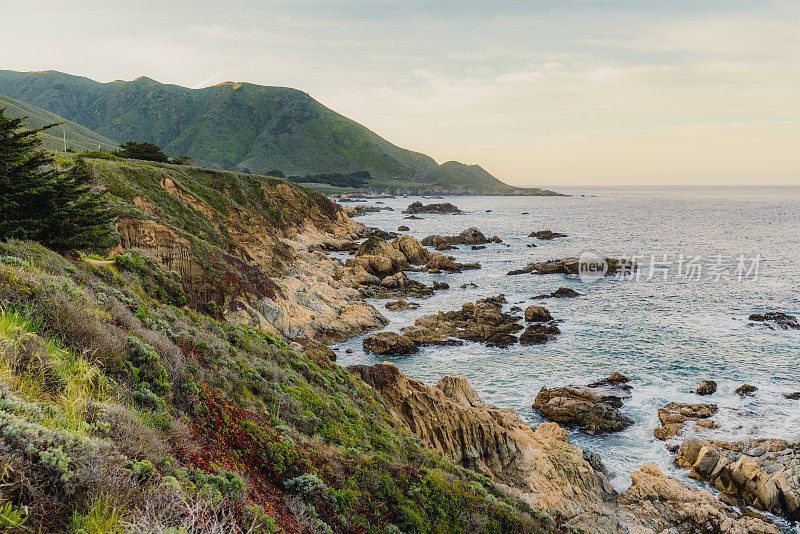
663,329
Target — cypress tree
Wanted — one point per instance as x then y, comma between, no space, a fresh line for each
42,202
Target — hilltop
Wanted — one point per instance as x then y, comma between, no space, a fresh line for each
245,127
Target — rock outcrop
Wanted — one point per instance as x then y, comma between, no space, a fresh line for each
482,321
389,343
746,390
470,236
658,504
401,304
438,262
570,266
706,387
442,207
539,333
774,321
537,314
763,473
560,293
580,408
546,235
543,467
675,414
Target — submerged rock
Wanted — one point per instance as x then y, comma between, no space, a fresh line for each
675,414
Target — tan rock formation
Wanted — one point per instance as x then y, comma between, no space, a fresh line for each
656,504
675,414
763,473
543,467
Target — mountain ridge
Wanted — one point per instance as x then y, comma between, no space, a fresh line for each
245,127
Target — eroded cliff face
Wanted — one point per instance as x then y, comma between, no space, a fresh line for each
254,258
543,467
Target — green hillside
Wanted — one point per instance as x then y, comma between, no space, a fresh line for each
75,136
242,126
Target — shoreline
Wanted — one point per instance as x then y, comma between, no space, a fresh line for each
445,376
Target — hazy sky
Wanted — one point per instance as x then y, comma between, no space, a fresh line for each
550,93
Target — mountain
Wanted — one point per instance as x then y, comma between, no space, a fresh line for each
244,127
75,136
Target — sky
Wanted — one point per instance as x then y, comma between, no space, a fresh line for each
565,92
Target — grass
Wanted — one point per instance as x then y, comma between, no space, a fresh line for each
65,381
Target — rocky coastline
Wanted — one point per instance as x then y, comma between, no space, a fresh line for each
541,465
318,299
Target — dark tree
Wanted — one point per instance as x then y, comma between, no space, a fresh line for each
41,202
145,151
276,173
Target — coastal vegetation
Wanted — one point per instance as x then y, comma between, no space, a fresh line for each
129,404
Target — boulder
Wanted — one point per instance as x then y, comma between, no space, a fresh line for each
580,408
414,252
792,396
389,343
613,389
706,387
536,334
537,314
470,236
403,228
746,390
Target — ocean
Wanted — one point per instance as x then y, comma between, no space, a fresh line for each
666,328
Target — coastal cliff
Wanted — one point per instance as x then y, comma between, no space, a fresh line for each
244,245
